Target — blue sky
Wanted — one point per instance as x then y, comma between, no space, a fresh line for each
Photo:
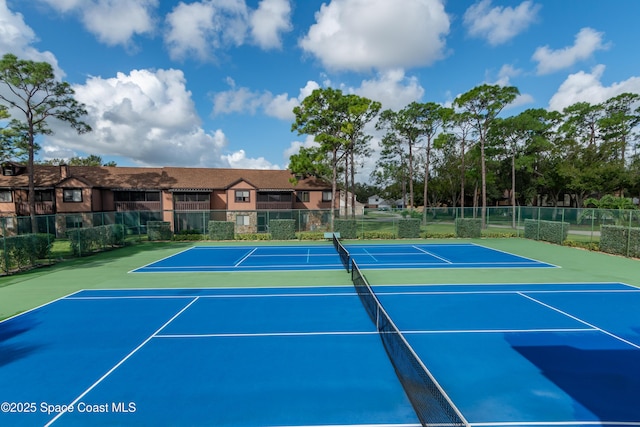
212,83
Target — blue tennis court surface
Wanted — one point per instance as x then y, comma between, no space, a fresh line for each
382,256
505,354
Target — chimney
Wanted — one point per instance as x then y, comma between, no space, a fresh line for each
64,171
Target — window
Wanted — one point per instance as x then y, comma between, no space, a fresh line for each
192,197
5,196
242,195
71,195
44,196
303,196
326,196
242,220
136,196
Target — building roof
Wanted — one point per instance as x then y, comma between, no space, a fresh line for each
165,178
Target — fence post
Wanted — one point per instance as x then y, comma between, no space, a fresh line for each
629,234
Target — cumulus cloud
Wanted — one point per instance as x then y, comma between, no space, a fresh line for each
113,22
245,100
498,25
587,41
16,37
149,117
204,29
239,160
361,35
393,89
587,87
269,21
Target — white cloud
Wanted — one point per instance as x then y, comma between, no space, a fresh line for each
147,116
272,18
391,88
294,147
200,28
113,22
587,41
16,37
239,160
498,25
587,87
360,35
205,28
244,100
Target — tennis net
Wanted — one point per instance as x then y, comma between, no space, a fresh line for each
342,251
430,402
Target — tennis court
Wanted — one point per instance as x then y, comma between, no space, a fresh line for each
476,354
505,355
379,256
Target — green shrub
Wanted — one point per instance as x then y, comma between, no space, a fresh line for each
619,240
469,227
371,235
221,230
87,240
192,236
348,228
548,231
409,228
25,250
253,236
159,230
310,235
282,229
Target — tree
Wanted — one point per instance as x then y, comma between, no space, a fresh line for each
91,160
403,128
34,94
360,111
432,118
484,103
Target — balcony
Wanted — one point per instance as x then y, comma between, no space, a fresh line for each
192,206
138,206
42,208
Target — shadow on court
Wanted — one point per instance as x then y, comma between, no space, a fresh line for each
606,382
11,349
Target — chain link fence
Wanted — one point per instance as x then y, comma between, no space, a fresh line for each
584,224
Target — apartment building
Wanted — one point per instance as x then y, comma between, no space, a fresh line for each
81,196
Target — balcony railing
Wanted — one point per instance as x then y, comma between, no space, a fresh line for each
42,208
273,205
138,206
192,206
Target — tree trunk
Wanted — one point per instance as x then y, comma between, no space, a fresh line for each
31,195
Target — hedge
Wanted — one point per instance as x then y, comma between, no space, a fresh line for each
348,228
469,227
159,230
221,230
24,250
409,228
618,240
87,240
548,231
282,229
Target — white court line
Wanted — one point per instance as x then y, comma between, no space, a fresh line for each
496,331
162,259
245,257
580,320
368,253
509,253
556,423
336,294
40,306
433,255
266,334
110,371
